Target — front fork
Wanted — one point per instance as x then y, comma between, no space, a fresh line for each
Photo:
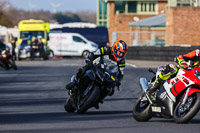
185,106
186,96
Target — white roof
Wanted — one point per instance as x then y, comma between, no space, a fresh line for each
2,27
72,25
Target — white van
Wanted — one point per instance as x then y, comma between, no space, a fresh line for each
70,44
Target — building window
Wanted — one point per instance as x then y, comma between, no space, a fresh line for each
120,6
101,23
135,7
102,10
154,7
142,7
102,13
147,7
132,6
185,2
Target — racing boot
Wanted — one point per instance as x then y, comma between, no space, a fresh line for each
96,105
150,92
73,84
71,87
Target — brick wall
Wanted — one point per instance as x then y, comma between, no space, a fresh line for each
162,7
183,26
111,20
119,22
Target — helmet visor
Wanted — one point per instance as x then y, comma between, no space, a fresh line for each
120,54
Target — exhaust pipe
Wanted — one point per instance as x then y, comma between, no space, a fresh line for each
143,84
144,87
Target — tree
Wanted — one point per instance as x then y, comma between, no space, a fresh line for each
4,18
63,18
87,16
10,16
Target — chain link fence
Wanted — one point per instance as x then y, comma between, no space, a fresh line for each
140,38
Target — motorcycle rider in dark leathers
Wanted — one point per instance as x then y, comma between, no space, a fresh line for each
170,70
116,54
2,46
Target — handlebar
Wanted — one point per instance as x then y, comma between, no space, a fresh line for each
150,70
189,64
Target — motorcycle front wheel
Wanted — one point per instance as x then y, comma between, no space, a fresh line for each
141,110
183,113
89,100
68,106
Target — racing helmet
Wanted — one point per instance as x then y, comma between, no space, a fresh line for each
119,50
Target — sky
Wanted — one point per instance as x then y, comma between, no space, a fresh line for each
55,5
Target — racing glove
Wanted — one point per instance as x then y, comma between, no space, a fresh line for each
180,61
91,56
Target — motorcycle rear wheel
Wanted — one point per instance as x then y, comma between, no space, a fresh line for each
141,111
180,116
12,63
94,95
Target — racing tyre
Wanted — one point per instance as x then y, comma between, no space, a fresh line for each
89,100
184,113
45,57
51,54
68,106
141,110
12,63
85,54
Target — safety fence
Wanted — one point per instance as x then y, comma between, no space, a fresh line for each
141,38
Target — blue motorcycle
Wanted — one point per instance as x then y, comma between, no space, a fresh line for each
97,83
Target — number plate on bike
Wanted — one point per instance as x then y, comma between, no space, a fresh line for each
156,109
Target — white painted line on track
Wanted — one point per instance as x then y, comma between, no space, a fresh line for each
128,64
72,64
131,65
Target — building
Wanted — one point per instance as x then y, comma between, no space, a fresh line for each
117,14
149,31
183,3
102,13
183,23
124,19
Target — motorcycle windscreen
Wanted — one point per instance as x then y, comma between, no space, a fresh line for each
110,66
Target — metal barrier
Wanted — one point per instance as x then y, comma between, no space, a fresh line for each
158,53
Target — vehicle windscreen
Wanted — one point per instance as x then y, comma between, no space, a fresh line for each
29,34
24,43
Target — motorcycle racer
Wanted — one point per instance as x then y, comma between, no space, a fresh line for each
2,46
170,70
116,54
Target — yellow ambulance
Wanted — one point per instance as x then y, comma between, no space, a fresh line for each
33,28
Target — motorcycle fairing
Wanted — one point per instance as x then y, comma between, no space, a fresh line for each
177,84
164,102
90,74
193,90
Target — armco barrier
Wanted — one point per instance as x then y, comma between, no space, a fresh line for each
158,53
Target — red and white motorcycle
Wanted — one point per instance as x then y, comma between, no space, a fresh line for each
177,98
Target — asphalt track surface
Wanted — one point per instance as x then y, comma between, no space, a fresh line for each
32,99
